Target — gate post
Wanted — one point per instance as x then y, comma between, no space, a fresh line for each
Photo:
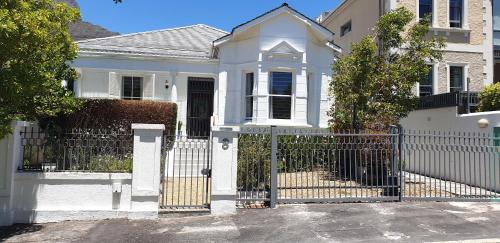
401,163
10,160
224,170
274,167
393,187
146,171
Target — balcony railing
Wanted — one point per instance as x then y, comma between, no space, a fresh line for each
466,102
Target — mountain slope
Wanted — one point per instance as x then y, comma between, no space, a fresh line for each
82,30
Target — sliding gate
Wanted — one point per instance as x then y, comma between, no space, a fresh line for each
278,165
309,165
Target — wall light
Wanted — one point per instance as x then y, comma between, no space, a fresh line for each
483,123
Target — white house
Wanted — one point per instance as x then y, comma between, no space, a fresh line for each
271,70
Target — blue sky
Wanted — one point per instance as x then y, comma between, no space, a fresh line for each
142,15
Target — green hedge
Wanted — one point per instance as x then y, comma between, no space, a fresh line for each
490,98
116,115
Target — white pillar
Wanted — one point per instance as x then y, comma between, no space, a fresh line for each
146,171
10,159
224,170
173,91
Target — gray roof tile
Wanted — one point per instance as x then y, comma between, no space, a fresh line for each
190,42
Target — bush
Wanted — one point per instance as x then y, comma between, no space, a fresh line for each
490,98
116,115
110,163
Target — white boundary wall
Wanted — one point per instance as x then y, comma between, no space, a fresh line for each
51,197
446,119
27,197
474,167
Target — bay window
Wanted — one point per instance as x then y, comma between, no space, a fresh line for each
280,95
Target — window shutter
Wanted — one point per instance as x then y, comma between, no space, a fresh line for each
114,86
149,84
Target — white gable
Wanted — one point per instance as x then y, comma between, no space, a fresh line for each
280,13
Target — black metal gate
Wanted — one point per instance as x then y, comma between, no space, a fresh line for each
199,106
186,168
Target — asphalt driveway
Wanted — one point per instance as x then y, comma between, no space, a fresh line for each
376,222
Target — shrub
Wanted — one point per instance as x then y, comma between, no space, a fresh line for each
490,98
110,163
116,115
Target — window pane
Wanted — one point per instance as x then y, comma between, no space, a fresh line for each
249,107
281,83
425,8
426,84
249,84
137,88
346,28
456,79
280,107
127,87
456,13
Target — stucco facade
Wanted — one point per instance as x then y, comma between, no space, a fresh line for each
469,46
279,41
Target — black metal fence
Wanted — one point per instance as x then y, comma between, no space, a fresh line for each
254,167
467,102
186,168
277,165
87,150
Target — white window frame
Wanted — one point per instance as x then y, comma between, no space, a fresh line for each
122,81
435,6
292,96
465,15
246,96
465,67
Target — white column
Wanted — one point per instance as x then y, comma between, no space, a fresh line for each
10,159
262,79
300,111
224,170
222,96
325,102
146,171
173,91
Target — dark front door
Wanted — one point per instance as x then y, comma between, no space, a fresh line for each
199,106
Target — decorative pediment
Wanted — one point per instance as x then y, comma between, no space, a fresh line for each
283,52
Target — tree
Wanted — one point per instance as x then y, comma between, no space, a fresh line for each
373,86
490,98
35,52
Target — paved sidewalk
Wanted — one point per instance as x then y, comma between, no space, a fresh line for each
375,222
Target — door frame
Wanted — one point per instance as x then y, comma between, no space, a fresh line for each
203,128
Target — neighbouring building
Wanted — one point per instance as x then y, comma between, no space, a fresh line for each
271,70
466,24
496,39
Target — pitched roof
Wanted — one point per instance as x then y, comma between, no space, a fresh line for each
186,42
283,6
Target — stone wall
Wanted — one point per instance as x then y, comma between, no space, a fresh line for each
475,64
